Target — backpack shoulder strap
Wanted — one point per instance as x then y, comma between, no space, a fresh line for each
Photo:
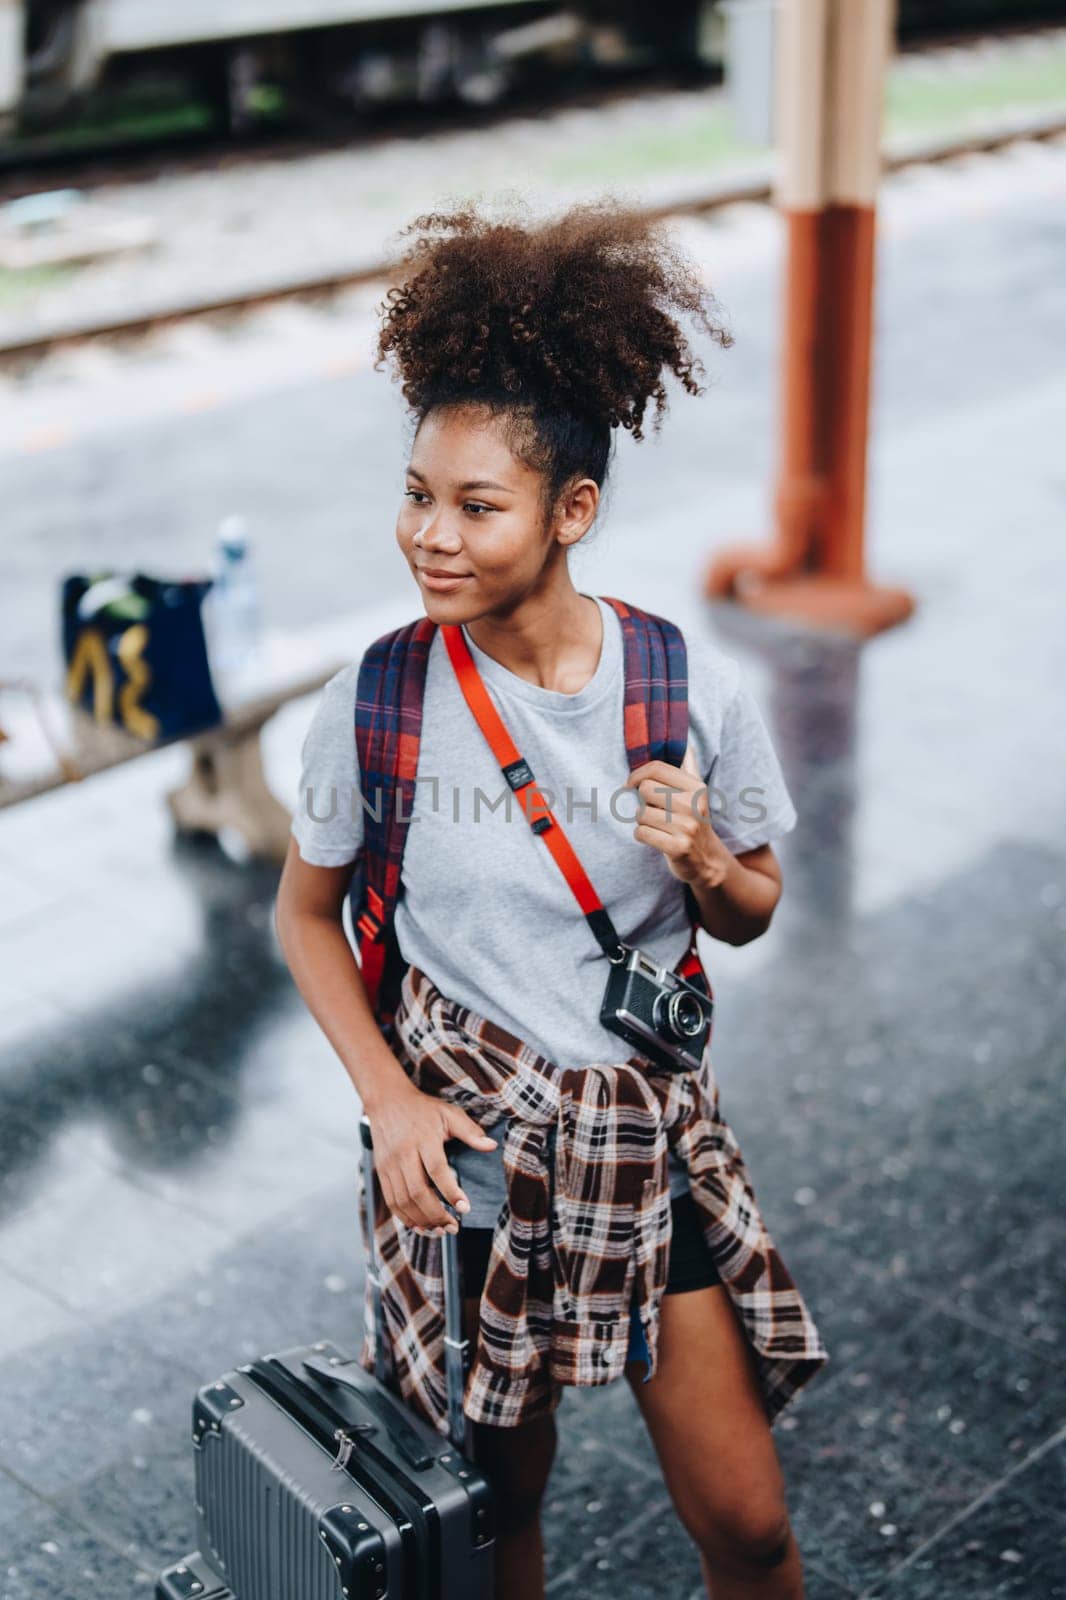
655,705
655,712
388,726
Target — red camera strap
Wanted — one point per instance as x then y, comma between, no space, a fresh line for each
520,777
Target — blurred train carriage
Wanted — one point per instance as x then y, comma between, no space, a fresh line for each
56,56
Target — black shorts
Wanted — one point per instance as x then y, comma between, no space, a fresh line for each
691,1263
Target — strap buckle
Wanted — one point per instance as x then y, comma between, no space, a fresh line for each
518,773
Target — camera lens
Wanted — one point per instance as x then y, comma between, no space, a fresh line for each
684,1014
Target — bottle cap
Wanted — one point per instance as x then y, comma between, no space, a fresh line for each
233,536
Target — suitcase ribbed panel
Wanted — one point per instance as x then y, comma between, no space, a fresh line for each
257,1516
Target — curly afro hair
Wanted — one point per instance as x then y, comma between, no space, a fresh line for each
564,329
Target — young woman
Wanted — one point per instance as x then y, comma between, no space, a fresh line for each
520,348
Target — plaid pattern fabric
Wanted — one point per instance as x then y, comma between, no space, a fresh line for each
583,1244
582,1239
655,705
388,724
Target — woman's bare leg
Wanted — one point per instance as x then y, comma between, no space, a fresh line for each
517,1463
704,1412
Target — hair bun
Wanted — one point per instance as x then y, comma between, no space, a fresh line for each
578,312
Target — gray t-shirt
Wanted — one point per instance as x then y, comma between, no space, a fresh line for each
485,911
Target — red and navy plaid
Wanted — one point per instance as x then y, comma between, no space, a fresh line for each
655,703
603,1232
388,726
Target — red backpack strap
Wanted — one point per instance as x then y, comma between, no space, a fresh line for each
388,725
656,686
656,716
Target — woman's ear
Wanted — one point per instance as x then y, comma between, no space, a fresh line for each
578,510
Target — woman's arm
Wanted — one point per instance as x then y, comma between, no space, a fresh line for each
410,1128
307,916
737,900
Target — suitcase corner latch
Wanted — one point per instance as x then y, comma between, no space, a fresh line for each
346,1440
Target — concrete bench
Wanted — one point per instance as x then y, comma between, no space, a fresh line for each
226,787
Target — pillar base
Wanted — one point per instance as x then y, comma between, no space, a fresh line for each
839,605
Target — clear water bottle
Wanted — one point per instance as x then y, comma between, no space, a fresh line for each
231,608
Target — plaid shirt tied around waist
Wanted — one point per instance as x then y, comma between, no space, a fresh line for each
585,1232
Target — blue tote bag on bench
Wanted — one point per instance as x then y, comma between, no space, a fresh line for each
136,653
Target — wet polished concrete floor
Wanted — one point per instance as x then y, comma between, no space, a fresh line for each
177,1140
178,1193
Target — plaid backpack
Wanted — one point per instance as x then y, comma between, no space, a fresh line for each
388,722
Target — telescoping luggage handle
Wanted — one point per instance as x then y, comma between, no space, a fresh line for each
456,1348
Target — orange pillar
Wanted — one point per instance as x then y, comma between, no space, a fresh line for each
830,85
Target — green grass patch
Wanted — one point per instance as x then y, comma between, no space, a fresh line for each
921,100
15,286
134,118
918,99
704,141
140,115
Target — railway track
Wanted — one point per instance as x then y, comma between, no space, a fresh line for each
22,352
99,389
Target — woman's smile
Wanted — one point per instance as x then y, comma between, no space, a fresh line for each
441,581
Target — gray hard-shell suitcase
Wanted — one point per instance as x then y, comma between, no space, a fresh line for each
315,1482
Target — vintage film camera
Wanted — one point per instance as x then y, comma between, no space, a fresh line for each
656,1010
